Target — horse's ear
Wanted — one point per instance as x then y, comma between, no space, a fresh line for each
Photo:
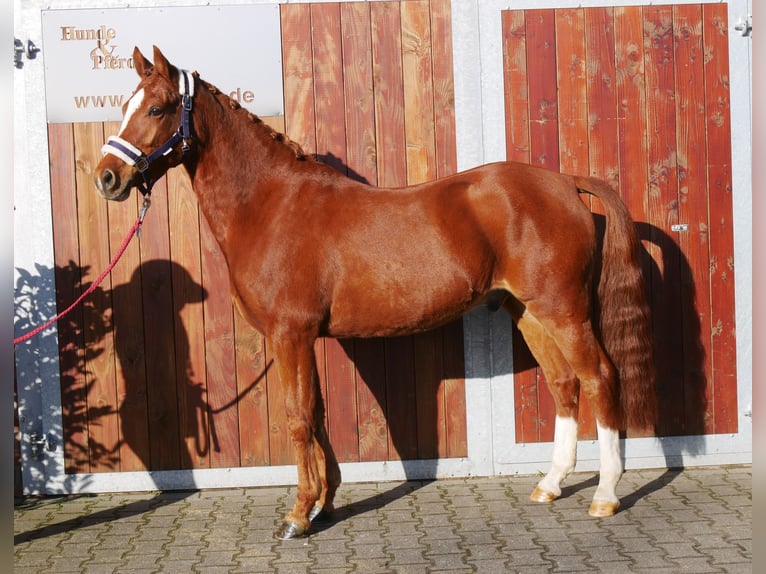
161,64
140,63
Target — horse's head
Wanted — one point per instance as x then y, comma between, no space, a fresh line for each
155,130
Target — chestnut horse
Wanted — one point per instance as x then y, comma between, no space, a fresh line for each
312,253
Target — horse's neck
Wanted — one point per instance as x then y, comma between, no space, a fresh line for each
237,152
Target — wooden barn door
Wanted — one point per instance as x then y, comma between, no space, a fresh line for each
639,96
158,371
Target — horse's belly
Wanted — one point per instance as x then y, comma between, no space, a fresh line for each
384,312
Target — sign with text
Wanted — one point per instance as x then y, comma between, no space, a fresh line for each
88,54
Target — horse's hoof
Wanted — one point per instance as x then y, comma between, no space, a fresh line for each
318,515
540,495
602,508
290,530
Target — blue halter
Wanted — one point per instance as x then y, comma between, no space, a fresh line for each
133,156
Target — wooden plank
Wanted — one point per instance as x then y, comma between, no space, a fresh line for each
429,393
517,149
444,88
543,101
389,93
631,125
454,391
103,424
127,318
329,102
330,91
218,425
418,92
516,85
297,55
358,92
603,157
341,403
68,275
298,78
666,299
400,398
369,359
724,364
572,91
173,257
693,206
574,156
602,97
252,406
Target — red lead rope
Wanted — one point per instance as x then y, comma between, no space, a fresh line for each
133,230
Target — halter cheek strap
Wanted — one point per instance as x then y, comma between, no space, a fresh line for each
133,156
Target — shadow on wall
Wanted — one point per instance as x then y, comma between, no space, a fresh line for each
158,395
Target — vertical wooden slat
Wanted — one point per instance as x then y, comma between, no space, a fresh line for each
429,394
297,55
544,144
572,91
103,430
543,101
402,412
420,140
163,338
693,207
369,358
602,98
516,85
666,298
330,109
454,390
68,274
517,149
389,93
418,92
574,153
127,316
724,364
358,91
252,407
329,101
218,425
444,88
298,78
631,125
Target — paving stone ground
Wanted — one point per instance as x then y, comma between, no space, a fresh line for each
693,520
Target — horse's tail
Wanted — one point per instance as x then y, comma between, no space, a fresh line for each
621,311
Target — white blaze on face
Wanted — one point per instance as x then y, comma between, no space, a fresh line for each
133,104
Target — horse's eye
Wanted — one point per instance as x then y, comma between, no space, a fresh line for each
155,111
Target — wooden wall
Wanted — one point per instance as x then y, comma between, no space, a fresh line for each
158,371
639,96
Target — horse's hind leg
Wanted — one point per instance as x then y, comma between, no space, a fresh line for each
565,388
597,377
318,471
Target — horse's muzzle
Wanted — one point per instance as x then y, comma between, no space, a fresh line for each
110,186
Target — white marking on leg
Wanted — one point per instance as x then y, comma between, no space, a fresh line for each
610,468
133,104
564,455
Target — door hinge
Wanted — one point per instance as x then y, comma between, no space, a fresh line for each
39,444
19,51
744,26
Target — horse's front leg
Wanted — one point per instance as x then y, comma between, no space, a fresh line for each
318,471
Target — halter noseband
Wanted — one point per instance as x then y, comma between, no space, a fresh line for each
133,156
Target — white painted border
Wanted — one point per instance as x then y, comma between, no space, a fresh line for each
489,393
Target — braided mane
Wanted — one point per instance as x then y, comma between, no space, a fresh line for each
270,131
